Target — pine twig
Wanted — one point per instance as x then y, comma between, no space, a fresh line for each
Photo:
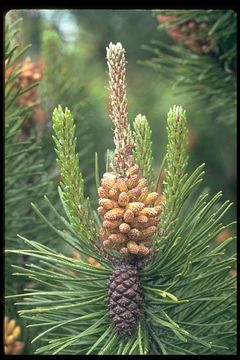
177,159
143,146
72,183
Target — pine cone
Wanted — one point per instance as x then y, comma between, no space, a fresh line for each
124,298
130,214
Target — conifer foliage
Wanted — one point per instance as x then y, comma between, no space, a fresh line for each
177,298
199,57
25,177
23,165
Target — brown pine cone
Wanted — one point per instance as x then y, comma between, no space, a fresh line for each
124,298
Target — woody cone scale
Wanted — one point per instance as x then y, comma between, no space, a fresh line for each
124,298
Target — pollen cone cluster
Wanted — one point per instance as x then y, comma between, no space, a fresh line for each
11,333
130,213
124,298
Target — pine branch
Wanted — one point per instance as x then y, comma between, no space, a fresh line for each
175,179
142,151
25,177
189,302
72,184
176,155
200,59
24,173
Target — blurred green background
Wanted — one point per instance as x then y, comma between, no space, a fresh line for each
82,37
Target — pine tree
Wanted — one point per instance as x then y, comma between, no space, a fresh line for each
181,294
